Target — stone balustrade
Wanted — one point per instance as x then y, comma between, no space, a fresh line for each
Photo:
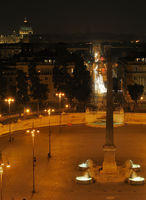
74,118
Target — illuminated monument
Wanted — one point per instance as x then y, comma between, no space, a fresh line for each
25,29
24,33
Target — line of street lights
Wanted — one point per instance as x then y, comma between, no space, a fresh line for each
33,133
11,100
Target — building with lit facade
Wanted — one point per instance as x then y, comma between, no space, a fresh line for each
128,64
134,71
24,33
45,72
25,29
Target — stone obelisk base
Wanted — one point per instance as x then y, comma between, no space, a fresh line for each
109,171
109,163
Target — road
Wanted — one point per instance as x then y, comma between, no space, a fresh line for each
55,177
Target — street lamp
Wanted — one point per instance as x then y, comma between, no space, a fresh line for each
9,101
60,95
2,165
33,132
66,106
49,113
26,110
1,173
141,98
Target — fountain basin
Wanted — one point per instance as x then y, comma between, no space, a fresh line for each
83,166
103,124
136,167
84,180
136,180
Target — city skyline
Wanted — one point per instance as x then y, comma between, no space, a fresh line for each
75,17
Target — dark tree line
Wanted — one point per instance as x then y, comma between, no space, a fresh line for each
22,88
76,84
25,89
135,92
38,90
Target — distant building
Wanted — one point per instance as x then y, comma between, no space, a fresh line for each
25,29
23,34
9,39
45,72
134,71
9,50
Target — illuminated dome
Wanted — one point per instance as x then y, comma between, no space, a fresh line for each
25,29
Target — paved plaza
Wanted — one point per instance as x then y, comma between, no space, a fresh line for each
55,177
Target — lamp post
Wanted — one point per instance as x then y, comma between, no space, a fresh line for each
60,95
1,174
49,113
33,161
9,101
33,133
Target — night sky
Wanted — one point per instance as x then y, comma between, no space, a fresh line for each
78,16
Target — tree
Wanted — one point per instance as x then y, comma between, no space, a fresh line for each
135,92
62,78
3,85
62,54
37,89
76,85
22,96
81,86
3,89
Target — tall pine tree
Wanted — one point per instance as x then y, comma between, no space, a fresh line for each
22,96
38,90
